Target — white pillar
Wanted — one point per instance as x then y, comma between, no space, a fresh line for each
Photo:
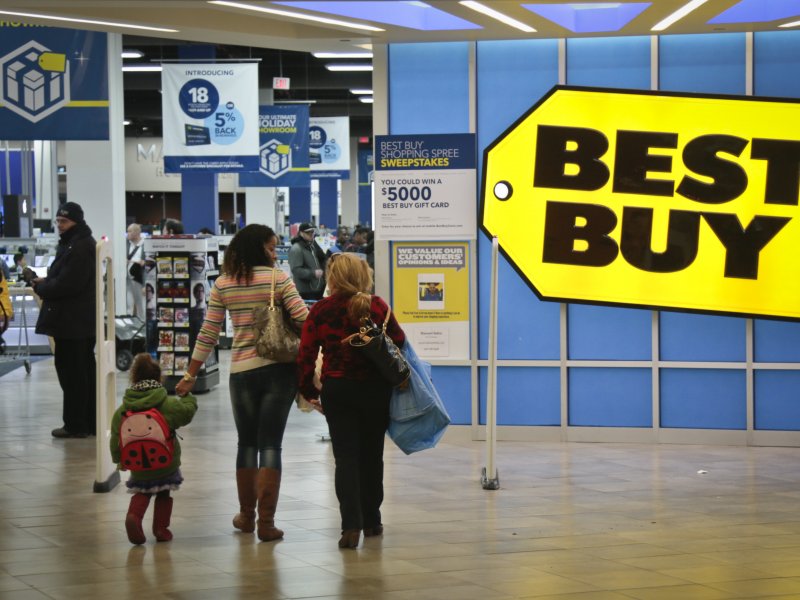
349,212
261,205
46,170
96,174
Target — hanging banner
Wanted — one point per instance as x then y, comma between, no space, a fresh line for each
210,112
53,83
425,187
430,296
329,147
283,157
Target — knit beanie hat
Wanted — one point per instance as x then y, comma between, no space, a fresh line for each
71,211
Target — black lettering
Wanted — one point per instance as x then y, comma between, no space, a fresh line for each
561,231
637,239
783,169
633,162
552,157
744,245
701,156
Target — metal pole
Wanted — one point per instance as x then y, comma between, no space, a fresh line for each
490,479
8,169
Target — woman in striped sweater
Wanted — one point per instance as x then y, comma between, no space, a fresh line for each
261,390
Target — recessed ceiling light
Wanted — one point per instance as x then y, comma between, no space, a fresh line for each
342,54
490,12
678,15
141,68
132,54
792,24
358,92
295,101
295,15
126,122
366,99
345,67
89,21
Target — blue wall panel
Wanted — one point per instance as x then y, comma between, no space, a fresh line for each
603,332
776,341
699,337
453,385
775,65
529,396
621,62
15,171
511,77
776,400
429,88
709,63
703,399
610,397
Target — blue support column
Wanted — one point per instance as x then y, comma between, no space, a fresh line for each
328,203
299,204
199,198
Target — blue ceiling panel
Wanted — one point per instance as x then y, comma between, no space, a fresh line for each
590,18
758,11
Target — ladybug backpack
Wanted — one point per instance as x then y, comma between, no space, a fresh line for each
145,440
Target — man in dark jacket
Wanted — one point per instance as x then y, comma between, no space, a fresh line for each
307,262
68,316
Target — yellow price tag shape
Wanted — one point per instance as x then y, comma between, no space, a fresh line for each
51,61
648,199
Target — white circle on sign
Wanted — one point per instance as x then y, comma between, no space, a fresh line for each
503,190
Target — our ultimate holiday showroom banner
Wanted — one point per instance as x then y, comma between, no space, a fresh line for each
53,83
283,158
329,147
210,114
430,296
425,187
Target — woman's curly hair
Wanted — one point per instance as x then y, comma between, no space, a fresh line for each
246,251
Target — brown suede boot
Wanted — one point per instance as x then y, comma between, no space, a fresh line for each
245,519
268,484
133,520
161,516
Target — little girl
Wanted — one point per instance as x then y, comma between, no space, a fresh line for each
154,470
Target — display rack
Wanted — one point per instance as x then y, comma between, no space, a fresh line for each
179,272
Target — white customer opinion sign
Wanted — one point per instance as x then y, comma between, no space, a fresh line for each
210,118
425,187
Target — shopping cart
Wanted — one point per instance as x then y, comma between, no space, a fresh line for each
21,351
130,339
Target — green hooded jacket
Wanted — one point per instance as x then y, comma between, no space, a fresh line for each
177,412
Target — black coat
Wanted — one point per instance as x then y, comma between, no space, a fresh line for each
67,293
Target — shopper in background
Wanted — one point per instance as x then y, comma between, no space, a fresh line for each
355,399
307,262
172,227
68,316
147,392
262,391
135,270
6,312
358,241
19,264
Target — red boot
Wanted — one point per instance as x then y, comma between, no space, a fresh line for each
161,516
133,520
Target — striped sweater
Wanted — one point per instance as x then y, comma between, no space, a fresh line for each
240,299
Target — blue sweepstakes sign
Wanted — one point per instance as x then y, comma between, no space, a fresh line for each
283,154
53,83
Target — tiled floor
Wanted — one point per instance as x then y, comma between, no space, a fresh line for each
582,521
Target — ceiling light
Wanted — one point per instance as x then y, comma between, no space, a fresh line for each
141,68
295,101
295,15
132,54
366,99
342,54
89,21
490,12
792,24
358,92
126,122
346,67
678,15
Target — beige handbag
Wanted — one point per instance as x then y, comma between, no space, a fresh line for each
276,338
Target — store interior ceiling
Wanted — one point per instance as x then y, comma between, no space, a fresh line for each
283,36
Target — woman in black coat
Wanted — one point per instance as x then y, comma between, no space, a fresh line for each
68,316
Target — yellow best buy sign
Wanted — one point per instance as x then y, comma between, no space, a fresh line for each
664,200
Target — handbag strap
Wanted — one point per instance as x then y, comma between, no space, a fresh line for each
272,291
363,330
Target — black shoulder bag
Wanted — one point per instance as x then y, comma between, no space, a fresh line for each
373,342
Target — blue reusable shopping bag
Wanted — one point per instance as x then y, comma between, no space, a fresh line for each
417,416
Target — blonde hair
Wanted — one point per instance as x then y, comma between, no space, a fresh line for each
350,275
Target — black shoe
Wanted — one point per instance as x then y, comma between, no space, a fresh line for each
62,432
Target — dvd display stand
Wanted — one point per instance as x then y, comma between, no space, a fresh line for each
179,272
